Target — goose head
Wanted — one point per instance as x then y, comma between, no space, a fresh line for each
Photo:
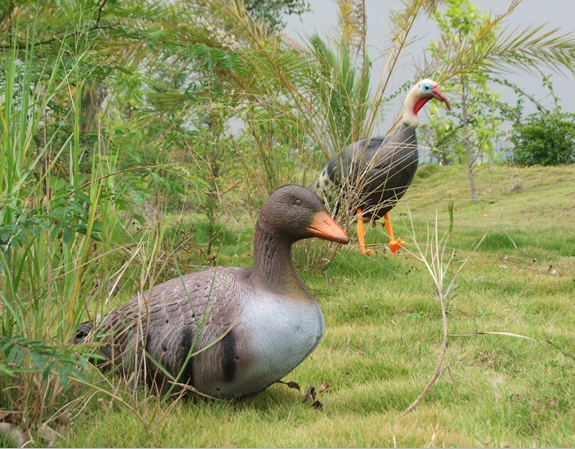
420,94
295,212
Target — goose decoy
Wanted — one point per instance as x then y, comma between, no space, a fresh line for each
264,320
377,172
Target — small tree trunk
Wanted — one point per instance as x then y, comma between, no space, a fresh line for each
468,155
444,160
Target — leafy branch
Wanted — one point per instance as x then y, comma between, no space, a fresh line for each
17,350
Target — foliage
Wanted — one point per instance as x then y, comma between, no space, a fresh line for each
341,90
352,20
45,359
491,48
60,224
545,138
270,12
474,47
114,112
483,118
207,149
35,325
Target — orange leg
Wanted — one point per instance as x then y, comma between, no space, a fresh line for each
361,235
394,244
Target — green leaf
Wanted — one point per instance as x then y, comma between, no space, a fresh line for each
37,359
13,353
47,371
77,207
6,370
140,219
6,347
78,374
67,235
20,356
64,376
82,196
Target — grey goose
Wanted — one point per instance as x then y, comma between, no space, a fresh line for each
264,320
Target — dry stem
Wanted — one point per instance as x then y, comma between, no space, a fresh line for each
437,270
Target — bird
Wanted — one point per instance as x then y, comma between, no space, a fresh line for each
246,328
376,172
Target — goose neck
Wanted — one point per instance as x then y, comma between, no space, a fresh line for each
273,267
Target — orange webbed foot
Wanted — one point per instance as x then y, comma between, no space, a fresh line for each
395,245
366,251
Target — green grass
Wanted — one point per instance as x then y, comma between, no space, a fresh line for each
383,334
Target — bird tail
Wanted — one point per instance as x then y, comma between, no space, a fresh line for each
82,332
314,184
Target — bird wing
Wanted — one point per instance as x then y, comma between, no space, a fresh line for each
177,318
378,171
390,164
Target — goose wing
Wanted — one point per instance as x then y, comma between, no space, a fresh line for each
177,318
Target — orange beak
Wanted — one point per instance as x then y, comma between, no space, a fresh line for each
325,227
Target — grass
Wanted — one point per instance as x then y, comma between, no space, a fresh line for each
383,334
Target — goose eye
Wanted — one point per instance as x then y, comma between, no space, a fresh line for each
298,202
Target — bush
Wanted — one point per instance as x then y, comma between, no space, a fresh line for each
545,138
427,170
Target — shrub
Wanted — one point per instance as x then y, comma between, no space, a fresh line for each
546,138
422,174
427,171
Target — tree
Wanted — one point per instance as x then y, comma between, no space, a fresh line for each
468,51
474,123
271,12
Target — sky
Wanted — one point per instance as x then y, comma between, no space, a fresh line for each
555,13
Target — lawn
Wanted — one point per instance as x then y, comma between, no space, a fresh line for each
383,335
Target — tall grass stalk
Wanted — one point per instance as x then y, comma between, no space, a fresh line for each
57,235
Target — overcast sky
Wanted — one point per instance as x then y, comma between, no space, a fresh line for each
554,13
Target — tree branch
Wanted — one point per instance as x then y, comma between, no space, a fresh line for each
100,12
58,38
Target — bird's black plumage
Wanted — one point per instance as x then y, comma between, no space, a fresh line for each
377,171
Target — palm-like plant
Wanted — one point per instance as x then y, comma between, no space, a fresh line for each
341,90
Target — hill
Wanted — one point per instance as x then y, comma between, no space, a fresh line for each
384,332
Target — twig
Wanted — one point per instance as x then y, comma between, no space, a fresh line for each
87,183
565,353
437,270
438,371
100,12
508,334
452,382
193,390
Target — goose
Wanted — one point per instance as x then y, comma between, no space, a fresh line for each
264,321
378,171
